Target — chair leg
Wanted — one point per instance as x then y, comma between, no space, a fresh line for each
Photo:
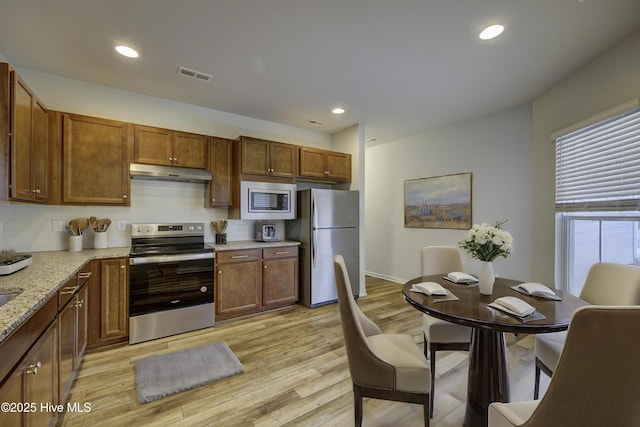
536,388
433,382
427,410
357,405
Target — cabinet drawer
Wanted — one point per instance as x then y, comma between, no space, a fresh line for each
280,252
226,257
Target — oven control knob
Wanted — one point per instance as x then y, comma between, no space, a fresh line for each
148,229
203,289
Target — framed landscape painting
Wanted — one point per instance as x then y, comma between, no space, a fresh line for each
438,202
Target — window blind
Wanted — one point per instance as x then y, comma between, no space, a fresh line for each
598,167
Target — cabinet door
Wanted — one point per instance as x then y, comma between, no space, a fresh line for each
153,146
279,276
114,299
283,160
238,284
95,161
11,391
66,347
221,162
21,150
190,150
312,163
40,378
82,319
39,153
255,156
338,166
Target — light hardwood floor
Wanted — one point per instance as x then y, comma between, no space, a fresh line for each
296,374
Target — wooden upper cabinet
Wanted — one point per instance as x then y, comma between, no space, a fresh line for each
157,146
28,150
324,165
221,162
190,150
95,161
267,158
153,145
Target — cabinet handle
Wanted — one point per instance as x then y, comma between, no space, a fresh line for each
213,200
69,290
282,253
239,256
79,303
85,275
265,267
122,267
124,196
33,369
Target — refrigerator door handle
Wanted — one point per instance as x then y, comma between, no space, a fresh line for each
314,225
314,215
313,247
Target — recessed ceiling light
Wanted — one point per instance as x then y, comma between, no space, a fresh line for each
126,51
491,32
338,110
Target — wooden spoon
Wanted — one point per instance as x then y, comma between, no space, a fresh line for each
106,223
82,224
94,224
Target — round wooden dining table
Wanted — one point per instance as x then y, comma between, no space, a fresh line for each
488,367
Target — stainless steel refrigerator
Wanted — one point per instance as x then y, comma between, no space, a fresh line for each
327,224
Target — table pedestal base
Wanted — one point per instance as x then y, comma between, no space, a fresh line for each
488,375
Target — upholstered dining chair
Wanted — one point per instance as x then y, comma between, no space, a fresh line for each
439,334
597,380
382,366
607,283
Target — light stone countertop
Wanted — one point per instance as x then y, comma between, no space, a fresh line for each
251,244
36,283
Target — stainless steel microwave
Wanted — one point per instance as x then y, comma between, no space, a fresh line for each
266,200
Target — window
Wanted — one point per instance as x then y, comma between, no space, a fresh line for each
598,192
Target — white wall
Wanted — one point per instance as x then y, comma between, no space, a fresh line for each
496,149
29,228
609,80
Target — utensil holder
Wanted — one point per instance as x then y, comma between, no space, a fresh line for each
221,238
100,240
75,243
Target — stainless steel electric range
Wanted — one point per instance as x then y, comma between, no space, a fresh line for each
171,272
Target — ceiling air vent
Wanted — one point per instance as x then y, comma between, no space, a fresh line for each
315,122
199,75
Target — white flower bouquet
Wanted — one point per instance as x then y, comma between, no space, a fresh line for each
487,242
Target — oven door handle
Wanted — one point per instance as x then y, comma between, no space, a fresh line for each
170,258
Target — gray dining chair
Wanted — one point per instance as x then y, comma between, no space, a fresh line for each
607,283
382,366
439,334
596,382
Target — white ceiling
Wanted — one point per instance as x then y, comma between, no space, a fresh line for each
400,67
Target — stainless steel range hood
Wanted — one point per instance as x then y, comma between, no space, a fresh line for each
168,173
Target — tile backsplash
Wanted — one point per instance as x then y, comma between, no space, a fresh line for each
30,227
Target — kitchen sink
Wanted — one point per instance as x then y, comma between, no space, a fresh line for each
5,298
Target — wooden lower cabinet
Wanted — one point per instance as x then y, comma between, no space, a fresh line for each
108,322
72,338
254,280
32,383
238,283
279,276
